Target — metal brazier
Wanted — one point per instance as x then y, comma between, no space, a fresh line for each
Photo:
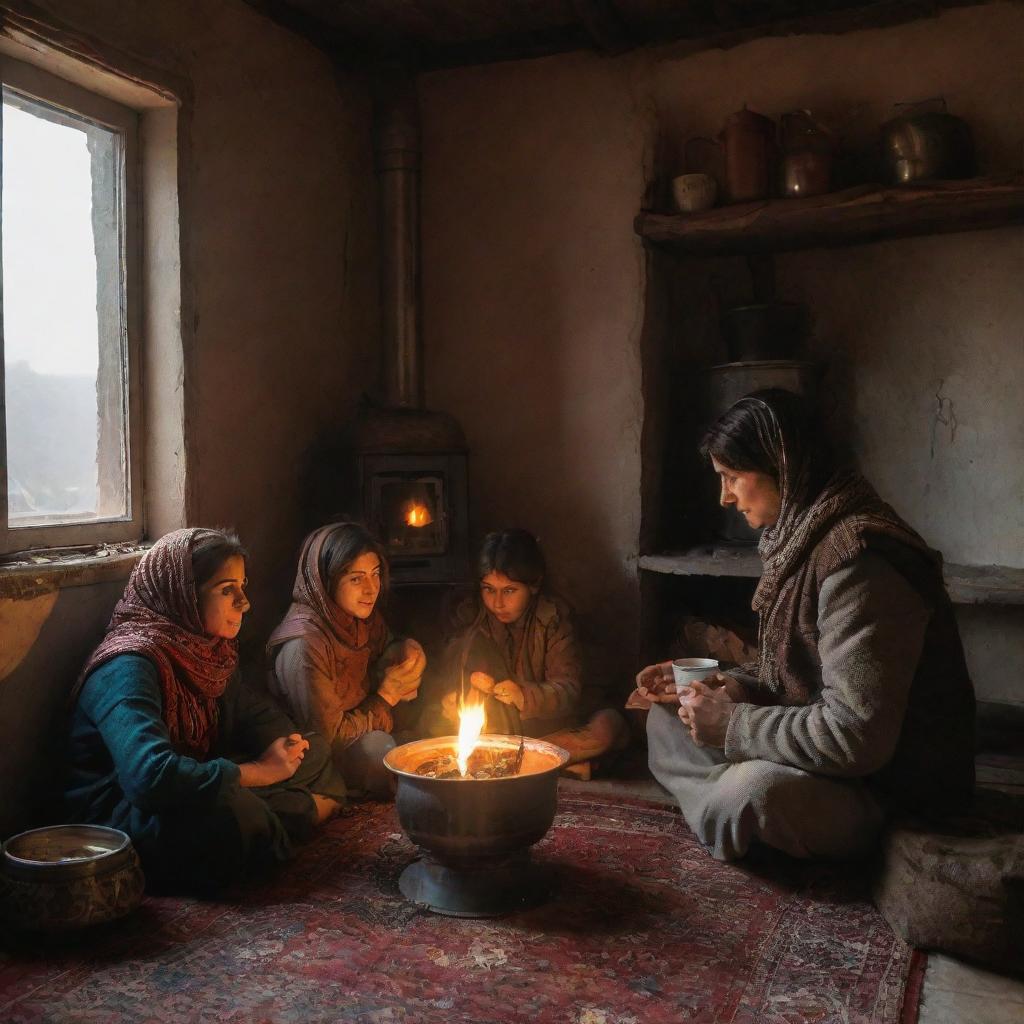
476,833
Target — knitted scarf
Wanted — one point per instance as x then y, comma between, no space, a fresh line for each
158,617
805,517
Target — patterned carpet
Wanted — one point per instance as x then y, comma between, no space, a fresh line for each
644,928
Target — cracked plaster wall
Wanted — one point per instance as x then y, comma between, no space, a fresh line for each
534,283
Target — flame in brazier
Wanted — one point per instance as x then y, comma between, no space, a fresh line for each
471,724
475,829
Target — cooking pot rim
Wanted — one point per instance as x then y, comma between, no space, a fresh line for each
487,740
31,868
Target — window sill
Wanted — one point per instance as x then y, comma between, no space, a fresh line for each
30,573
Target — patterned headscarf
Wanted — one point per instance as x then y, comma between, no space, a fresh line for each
347,644
158,617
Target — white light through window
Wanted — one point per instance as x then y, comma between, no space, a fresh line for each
63,316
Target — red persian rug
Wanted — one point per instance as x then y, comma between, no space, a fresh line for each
644,928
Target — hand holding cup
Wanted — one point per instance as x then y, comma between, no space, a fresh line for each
706,712
656,683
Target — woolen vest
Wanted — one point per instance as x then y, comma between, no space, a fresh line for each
932,769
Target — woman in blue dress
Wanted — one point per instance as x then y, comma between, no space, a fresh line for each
209,780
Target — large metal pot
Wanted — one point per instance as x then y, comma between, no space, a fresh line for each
766,330
65,877
476,833
923,143
460,819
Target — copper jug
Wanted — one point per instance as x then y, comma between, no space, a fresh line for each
748,153
807,151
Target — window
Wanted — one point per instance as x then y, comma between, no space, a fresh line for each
70,457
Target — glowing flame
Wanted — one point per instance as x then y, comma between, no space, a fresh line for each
418,515
471,724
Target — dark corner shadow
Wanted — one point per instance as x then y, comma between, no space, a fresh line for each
292,883
111,942
323,866
838,882
586,901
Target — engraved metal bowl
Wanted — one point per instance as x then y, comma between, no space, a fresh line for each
65,877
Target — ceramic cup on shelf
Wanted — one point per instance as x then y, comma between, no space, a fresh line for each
691,670
694,192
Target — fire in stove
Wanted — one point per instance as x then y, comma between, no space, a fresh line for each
417,515
415,503
409,514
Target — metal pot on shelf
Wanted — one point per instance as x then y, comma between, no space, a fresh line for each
807,155
745,154
925,142
748,154
766,330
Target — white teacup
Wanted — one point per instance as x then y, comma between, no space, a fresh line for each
694,192
692,670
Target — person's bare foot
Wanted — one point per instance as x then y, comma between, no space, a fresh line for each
605,730
609,727
326,808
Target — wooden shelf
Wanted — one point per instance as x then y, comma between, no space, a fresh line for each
705,561
984,584
867,213
967,584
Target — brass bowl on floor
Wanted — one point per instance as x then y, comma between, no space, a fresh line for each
66,877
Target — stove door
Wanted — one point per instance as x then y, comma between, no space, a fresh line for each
408,513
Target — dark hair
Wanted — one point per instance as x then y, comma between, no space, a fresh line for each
515,554
737,439
342,546
210,550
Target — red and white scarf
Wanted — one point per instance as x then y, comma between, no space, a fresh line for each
158,617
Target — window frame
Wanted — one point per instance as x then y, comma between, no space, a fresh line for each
60,94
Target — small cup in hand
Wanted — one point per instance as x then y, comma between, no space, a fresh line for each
691,670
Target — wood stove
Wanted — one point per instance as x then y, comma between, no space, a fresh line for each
410,462
411,474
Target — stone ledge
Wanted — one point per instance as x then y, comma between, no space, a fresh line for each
29,574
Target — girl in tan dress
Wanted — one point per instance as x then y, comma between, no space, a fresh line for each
516,649
334,663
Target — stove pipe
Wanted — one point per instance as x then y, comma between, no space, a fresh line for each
397,163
